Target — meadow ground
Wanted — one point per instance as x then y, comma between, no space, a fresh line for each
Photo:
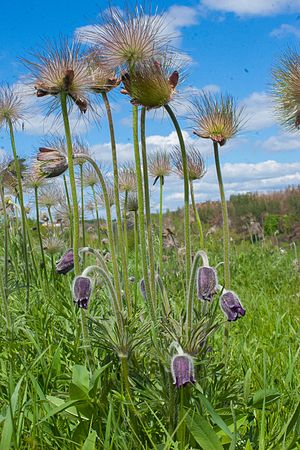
51,398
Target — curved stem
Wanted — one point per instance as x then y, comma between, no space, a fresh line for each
98,255
82,205
197,217
97,217
117,200
108,280
109,226
23,214
226,242
141,216
147,205
161,182
186,192
63,100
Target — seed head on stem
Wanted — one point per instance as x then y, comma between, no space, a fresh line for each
195,162
216,117
286,90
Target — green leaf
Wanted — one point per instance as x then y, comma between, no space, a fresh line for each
215,416
62,406
203,433
270,396
81,377
8,426
90,442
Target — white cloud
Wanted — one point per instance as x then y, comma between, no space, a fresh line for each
154,142
259,111
284,142
285,30
238,178
254,7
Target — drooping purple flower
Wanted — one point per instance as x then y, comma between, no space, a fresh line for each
182,369
66,262
207,283
82,289
231,306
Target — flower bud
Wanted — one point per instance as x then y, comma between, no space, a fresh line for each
52,163
82,289
231,306
182,369
66,262
207,283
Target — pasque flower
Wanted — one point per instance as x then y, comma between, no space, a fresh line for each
182,368
61,68
216,117
66,262
126,37
151,84
231,306
207,283
286,90
51,162
82,289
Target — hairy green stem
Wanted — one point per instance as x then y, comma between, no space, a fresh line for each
161,183
136,255
141,215
125,222
69,210
118,207
109,227
5,277
190,295
97,217
63,100
197,217
186,193
82,205
226,242
147,206
23,214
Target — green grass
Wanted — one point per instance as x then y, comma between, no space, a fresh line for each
49,399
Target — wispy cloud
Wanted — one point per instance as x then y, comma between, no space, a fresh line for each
285,30
281,143
259,111
254,7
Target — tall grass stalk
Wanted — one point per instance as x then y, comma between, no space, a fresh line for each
161,183
38,226
69,210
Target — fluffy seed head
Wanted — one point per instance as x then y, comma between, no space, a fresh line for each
50,195
11,106
104,78
127,178
52,244
286,90
216,117
132,202
90,177
151,84
195,162
126,37
159,164
60,68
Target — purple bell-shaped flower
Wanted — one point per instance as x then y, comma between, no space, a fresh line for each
82,289
231,306
66,262
182,368
207,280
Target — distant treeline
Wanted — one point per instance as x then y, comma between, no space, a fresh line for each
274,213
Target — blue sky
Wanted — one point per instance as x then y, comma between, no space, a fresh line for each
232,46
